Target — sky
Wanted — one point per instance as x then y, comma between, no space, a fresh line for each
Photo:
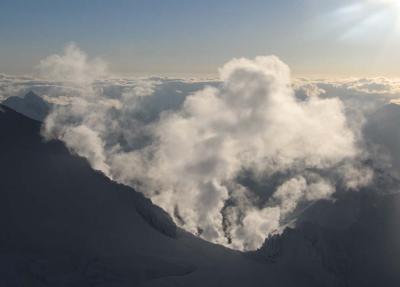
156,37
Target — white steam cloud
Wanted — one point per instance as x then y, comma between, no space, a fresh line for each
189,161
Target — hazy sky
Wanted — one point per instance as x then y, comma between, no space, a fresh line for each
316,38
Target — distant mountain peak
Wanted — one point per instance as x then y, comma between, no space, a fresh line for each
30,105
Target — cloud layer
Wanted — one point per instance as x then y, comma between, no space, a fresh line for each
231,161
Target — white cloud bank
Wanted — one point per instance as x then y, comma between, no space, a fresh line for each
189,160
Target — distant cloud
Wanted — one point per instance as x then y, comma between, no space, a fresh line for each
72,67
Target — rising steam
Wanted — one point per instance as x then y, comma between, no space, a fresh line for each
192,161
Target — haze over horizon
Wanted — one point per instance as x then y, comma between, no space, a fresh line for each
334,38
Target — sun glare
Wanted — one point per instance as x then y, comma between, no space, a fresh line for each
367,17
392,9
389,4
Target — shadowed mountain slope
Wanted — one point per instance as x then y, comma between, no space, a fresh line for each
64,224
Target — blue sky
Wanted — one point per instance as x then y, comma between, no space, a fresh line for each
316,38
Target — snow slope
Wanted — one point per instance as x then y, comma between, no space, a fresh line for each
63,224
